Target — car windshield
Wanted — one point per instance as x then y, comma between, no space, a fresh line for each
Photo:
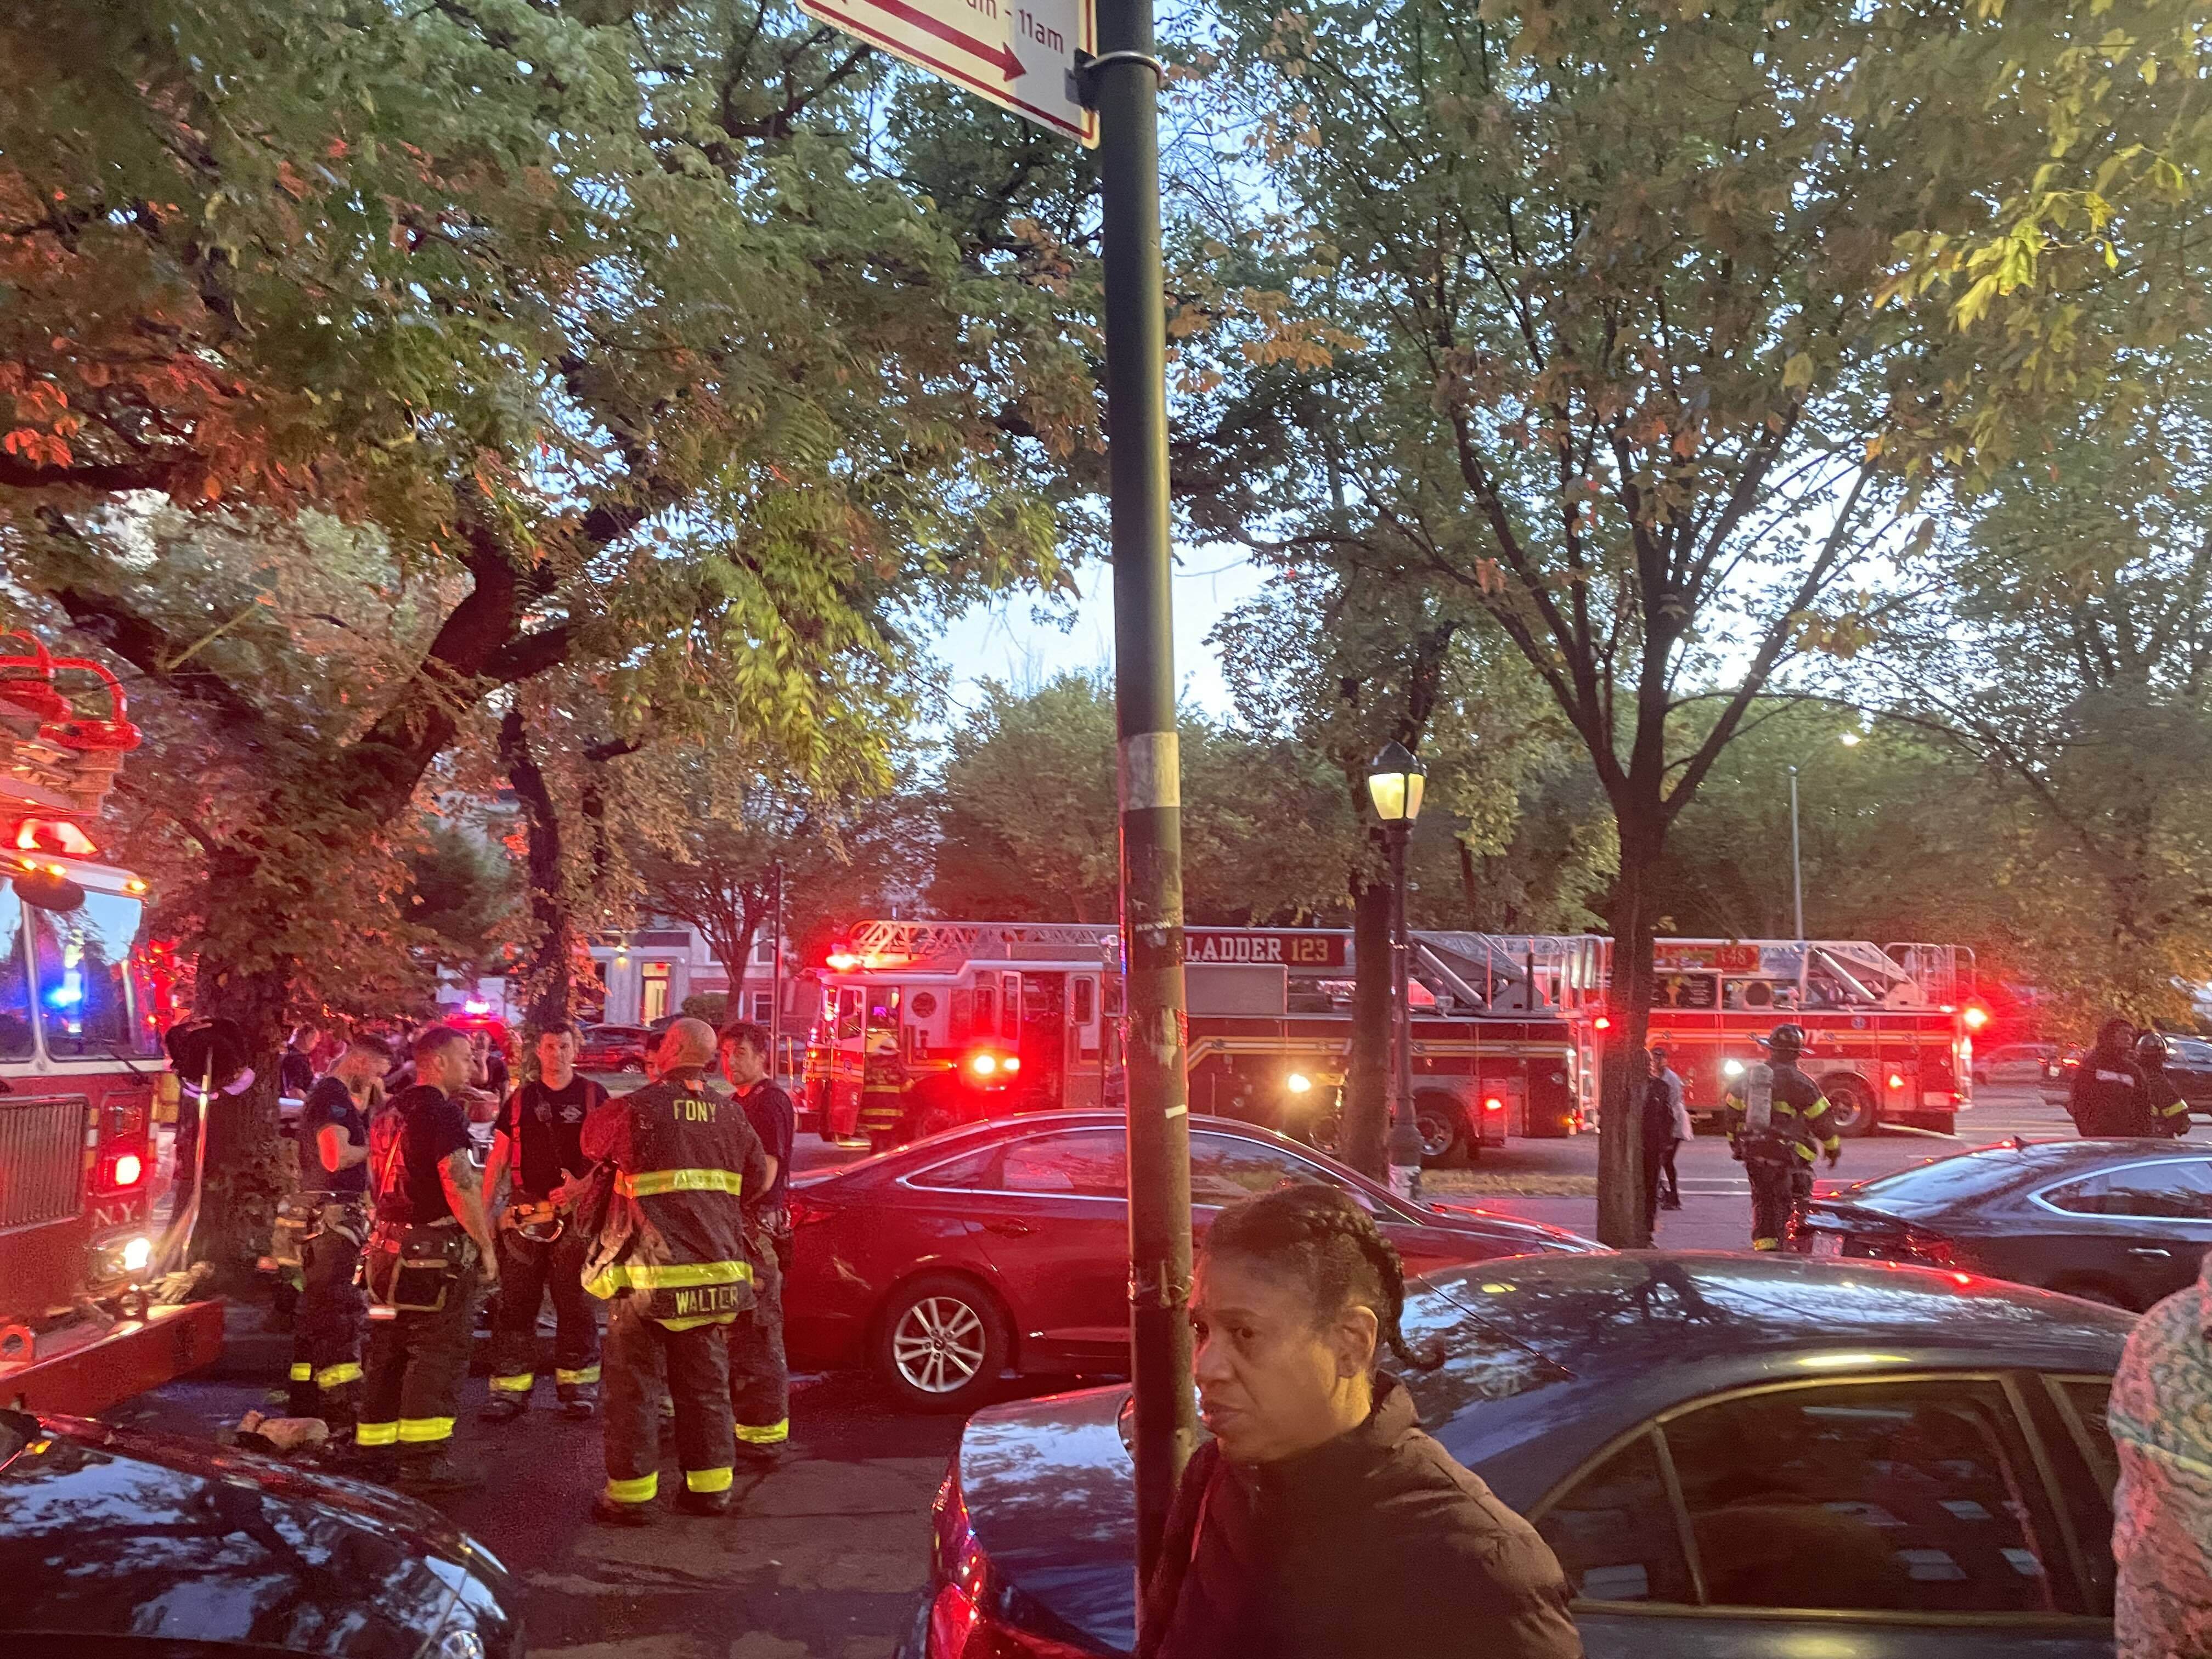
2190,1054
93,997
1927,1188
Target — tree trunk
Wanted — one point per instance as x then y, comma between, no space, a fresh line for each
1624,1069
1362,1125
546,980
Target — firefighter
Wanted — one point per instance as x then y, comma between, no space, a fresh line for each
1777,1124
537,1142
429,1255
331,1318
760,1384
2168,1110
2110,1099
670,1258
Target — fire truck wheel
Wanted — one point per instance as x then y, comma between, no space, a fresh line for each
1444,1131
942,1343
1850,1105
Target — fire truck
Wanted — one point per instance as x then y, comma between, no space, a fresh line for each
90,1312
1890,1029
927,1024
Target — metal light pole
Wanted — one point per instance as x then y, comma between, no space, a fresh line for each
1797,864
1124,86
1394,781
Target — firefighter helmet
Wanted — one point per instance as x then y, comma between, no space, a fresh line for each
2152,1046
1786,1040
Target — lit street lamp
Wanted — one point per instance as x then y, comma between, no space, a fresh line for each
1394,780
1849,739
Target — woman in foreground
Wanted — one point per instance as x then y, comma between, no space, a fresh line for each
1321,1522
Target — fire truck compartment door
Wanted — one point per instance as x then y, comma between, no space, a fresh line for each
1226,988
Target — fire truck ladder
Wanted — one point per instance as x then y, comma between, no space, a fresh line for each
915,941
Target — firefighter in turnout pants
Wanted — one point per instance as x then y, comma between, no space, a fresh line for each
1777,1124
671,1260
760,1383
539,1142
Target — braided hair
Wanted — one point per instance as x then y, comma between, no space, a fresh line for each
1332,1243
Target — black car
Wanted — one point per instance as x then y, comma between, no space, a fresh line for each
1733,1456
118,1545
2189,1066
2123,1222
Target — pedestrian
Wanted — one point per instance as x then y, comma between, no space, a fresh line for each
1678,1100
430,1254
489,1061
1658,1135
2168,1110
1320,1521
296,1069
2109,1099
538,1151
760,1381
1777,1124
332,1317
671,1262
2161,1416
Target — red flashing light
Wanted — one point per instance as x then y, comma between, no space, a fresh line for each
1975,1018
843,962
1493,1104
53,836
122,1167
983,1065
1963,1278
1603,1022
1011,1063
1895,1081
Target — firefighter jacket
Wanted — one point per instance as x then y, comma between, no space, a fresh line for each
1777,1115
2110,1100
2168,1109
685,1164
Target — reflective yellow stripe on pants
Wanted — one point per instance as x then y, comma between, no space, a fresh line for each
422,1431
376,1434
336,1377
640,1490
708,1479
516,1384
572,1379
774,1434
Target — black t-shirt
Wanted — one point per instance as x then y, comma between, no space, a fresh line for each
547,1127
418,1129
330,1106
769,1109
296,1072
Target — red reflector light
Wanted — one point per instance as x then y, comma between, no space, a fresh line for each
805,1212
1493,1104
1963,1278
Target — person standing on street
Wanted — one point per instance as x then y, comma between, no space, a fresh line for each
2109,1099
1777,1124
538,1147
1658,1137
2168,1111
429,1247
1677,1101
1319,1522
328,1324
2160,1415
760,1383
672,1260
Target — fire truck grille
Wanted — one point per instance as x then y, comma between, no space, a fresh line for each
41,1161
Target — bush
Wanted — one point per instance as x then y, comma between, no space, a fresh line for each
712,1006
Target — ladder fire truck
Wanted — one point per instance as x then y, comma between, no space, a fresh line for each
88,1315
927,1024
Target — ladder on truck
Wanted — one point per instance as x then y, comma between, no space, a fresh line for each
884,943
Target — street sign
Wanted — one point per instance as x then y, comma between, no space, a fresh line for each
1017,54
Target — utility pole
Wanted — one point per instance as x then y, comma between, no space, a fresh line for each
1797,864
1405,1129
1123,82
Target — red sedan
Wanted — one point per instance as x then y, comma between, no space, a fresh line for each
1005,1246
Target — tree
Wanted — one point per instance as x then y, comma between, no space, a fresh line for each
588,341
1623,376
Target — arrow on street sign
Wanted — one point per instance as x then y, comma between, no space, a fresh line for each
1020,54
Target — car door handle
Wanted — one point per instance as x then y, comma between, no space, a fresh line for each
2151,1252
1023,1230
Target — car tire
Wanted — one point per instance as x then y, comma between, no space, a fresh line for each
634,1065
1444,1131
1851,1110
2098,1291
942,1343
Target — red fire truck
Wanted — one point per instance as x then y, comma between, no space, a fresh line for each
1891,1027
926,1024
82,1246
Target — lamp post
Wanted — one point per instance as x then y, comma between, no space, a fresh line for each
1394,780
1849,739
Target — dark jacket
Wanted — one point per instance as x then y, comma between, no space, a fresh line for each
2110,1100
1376,1546
1798,1128
2169,1112
687,1165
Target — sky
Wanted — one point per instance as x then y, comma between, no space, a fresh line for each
1008,642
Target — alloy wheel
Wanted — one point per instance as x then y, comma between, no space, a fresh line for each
939,1343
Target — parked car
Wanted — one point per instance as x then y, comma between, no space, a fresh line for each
1732,1455
2123,1221
2189,1065
1006,1245
615,1047
117,1544
2015,1062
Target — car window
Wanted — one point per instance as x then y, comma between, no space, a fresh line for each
1614,1532
2172,1189
1085,1164
2189,1053
1225,1168
976,1171
1864,1496
2086,1481
1936,1185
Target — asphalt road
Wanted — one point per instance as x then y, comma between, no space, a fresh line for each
822,1557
